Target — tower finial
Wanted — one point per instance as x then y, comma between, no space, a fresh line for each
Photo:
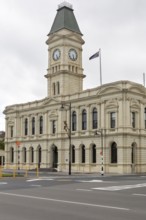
65,3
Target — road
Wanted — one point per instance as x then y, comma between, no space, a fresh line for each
73,197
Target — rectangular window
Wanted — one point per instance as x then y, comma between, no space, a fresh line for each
53,127
33,126
58,88
54,89
112,119
133,115
11,131
94,118
41,124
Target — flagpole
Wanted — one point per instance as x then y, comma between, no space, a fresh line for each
100,66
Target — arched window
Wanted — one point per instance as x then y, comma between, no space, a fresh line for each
114,153
94,118
11,155
74,121
83,154
41,124
24,155
84,120
73,154
31,156
33,125
93,153
26,126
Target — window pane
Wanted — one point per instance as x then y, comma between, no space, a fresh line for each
58,88
74,121
53,127
113,119
73,154
26,127
114,153
41,124
33,126
84,120
94,118
11,135
83,154
94,154
133,119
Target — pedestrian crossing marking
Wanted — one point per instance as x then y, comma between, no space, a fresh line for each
39,179
122,187
89,181
3,183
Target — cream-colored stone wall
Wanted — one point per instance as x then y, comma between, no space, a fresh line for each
107,98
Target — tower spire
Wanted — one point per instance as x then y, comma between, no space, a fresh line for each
65,19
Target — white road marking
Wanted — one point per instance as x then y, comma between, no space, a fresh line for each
138,194
90,181
36,185
3,183
65,201
123,187
88,190
39,179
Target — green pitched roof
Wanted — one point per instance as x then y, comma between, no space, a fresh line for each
65,19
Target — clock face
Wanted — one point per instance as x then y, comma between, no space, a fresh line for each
56,54
72,54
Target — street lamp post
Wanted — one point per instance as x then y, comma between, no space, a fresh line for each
101,152
67,128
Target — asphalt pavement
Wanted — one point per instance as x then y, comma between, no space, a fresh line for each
59,196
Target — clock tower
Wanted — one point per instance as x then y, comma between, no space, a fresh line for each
65,72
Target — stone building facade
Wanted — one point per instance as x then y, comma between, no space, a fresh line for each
2,152
96,130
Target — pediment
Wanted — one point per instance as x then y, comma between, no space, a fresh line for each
112,103
54,37
108,90
137,89
51,101
53,114
65,34
74,36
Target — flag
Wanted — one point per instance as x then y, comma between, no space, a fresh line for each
94,56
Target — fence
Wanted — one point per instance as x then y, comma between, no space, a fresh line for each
19,171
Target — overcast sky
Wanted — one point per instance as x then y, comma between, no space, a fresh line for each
118,27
